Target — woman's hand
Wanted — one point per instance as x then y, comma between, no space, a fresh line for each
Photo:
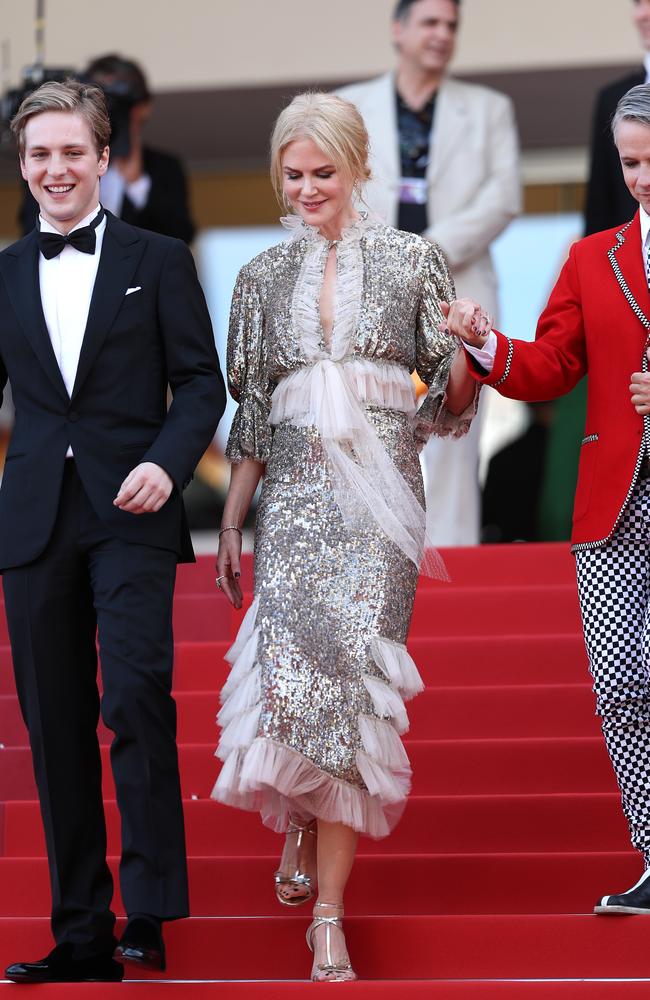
229,566
640,390
467,320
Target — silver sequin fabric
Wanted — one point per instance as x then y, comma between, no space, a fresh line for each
326,591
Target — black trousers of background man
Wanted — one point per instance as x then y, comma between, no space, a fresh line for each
85,582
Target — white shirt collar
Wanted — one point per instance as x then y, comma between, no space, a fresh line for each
47,227
646,63
645,225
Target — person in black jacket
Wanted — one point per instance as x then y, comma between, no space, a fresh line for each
142,186
609,203
99,319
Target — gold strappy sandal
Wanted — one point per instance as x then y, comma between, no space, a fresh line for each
294,879
329,971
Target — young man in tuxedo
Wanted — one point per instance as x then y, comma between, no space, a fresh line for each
98,320
143,186
597,321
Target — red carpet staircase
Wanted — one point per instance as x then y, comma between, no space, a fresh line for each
486,887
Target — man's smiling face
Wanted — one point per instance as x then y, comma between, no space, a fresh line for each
62,166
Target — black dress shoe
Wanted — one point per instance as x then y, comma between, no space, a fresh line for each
61,967
142,942
635,900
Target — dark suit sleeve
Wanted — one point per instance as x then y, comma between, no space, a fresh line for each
167,210
608,202
193,371
600,188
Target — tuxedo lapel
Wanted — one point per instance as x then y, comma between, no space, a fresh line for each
121,251
20,269
627,263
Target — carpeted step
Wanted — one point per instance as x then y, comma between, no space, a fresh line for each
436,824
437,989
444,767
444,713
394,947
441,611
498,565
463,767
456,660
385,883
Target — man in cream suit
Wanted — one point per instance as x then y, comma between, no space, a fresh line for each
445,163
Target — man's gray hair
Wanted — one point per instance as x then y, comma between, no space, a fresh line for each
633,107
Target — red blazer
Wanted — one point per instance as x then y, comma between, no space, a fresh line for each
597,321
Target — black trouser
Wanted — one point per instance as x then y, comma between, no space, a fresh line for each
86,582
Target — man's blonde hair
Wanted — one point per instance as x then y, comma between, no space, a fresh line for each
83,98
333,124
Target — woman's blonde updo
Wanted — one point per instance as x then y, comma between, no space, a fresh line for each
334,125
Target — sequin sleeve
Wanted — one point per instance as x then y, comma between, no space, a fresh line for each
435,353
248,382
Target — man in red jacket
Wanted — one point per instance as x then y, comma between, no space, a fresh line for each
598,321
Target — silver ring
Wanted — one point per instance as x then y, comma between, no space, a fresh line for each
219,579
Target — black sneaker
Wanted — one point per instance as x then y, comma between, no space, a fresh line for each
635,900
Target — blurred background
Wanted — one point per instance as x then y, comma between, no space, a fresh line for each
219,71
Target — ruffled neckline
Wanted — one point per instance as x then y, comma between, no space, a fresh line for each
298,229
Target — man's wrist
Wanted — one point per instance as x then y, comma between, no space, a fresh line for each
485,354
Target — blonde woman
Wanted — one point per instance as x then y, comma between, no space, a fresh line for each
324,331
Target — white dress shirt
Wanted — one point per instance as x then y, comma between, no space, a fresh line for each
113,187
644,219
66,284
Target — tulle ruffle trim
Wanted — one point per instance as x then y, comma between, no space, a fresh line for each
305,303
263,775
373,383
433,417
298,229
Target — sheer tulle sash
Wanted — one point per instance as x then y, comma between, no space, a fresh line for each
370,490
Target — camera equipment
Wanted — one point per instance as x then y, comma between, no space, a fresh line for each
33,77
122,81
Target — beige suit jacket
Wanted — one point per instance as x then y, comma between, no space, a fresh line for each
473,176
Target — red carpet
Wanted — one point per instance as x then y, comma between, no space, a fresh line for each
486,887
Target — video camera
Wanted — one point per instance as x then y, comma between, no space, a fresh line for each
33,77
122,81
121,97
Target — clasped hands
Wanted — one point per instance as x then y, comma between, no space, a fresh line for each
466,319
145,489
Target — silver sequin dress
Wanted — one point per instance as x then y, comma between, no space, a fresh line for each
314,704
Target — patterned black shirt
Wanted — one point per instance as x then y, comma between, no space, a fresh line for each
414,129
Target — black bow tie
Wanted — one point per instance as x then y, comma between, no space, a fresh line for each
84,239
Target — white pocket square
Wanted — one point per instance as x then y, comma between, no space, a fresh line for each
130,291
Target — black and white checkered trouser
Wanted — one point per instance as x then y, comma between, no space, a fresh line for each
614,591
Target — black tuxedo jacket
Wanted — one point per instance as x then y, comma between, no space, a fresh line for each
134,347
609,203
167,210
